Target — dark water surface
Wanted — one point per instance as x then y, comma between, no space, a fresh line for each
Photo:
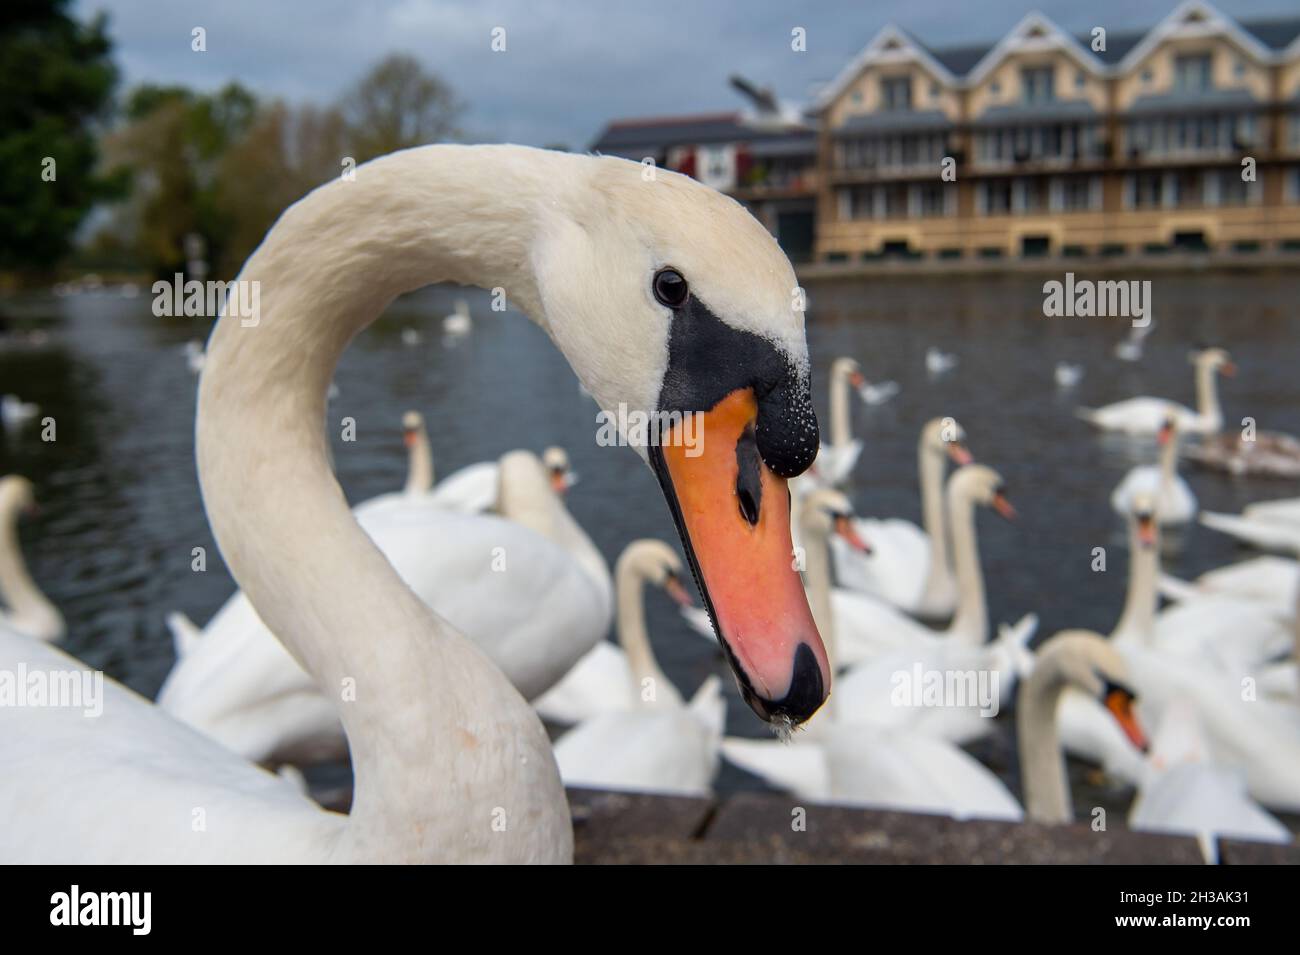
121,508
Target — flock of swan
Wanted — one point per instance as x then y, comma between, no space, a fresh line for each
427,633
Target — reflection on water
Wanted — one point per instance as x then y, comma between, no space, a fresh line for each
121,511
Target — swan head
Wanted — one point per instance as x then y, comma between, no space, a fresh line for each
981,485
1090,663
825,512
683,319
1215,359
845,367
1142,518
412,426
556,461
945,437
658,564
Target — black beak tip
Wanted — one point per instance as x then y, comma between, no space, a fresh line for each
806,694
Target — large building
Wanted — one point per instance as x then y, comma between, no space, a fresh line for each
1185,136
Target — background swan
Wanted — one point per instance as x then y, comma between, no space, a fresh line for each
1087,664
23,607
837,457
16,413
909,566
653,741
1067,375
938,362
865,626
459,322
599,682
1148,415
1174,501
1182,791
528,587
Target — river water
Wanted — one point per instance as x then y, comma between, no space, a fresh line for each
121,513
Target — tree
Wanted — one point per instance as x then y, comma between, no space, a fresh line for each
172,148
56,82
398,105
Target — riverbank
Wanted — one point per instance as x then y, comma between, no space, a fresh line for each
753,828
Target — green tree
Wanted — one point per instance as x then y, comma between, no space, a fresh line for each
172,148
398,105
56,82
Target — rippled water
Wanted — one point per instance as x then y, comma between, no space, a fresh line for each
121,509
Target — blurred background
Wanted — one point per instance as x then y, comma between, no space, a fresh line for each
179,132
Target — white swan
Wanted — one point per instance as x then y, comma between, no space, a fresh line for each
23,607
1204,657
1148,415
528,587
1174,501
651,741
837,457
1130,347
1183,791
909,566
194,356
866,626
1067,375
939,362
869,765
450,763
459,323
470,490
1272,581
15,413
1268,525
1083,663
599,682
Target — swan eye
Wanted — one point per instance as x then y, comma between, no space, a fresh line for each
670,288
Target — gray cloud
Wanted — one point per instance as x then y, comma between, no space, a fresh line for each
569,66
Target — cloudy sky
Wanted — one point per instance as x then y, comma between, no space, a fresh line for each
569,65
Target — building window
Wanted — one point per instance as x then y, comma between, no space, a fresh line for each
1225,187
1146,190
1076,194
1239,68
934,90
1146,76
1080,79
896,93
994,197
930,199
1193,73
892,152
1037,84
1050,142
995,88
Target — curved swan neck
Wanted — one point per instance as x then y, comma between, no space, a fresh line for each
634,638
841,432
970,623
436,732
1137,622
1042,768
419,465
28,608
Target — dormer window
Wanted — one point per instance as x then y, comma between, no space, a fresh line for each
1037,84
896,93
1193,73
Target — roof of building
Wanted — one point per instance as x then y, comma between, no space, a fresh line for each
632,138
